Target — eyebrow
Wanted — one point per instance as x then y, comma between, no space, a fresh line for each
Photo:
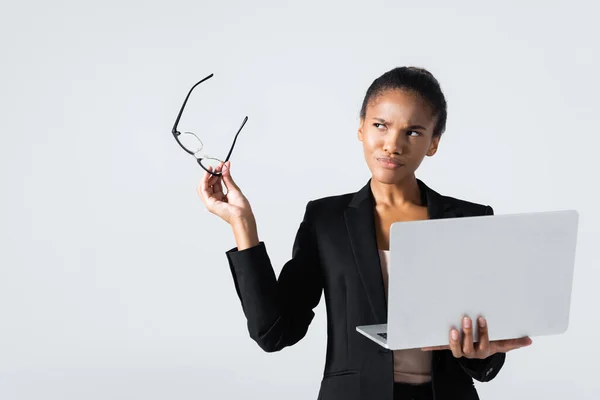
410,127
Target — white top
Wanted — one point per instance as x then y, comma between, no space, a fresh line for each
413,365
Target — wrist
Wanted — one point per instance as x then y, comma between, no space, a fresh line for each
245,233
243,223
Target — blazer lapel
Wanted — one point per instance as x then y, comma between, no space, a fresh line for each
360,223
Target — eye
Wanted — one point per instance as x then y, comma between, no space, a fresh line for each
378,125
410,133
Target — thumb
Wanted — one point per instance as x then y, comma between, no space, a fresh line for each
226,174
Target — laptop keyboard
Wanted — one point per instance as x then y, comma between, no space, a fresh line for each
383,335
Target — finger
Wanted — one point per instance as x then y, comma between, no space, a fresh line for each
218,186
213,178
467,346
227,179
484,339
455,346
503,346
218,189
206,177
205,188
207,191
520,342
204,183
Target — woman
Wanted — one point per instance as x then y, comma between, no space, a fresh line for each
341,249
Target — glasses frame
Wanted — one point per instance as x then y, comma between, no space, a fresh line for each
176,133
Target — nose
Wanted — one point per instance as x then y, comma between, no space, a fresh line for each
394,143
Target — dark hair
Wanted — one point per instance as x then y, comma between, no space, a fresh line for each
417,80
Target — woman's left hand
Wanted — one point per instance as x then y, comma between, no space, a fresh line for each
483,348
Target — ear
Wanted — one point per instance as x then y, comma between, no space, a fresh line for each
433,146
360,130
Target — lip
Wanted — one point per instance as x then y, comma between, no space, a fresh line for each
389,163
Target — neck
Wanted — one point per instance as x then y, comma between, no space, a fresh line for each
397,194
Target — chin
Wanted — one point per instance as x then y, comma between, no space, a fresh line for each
390,176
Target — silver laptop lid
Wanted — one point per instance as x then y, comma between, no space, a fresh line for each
516,270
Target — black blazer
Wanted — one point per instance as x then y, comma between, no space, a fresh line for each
335,253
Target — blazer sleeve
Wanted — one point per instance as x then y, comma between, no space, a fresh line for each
483,370
279,311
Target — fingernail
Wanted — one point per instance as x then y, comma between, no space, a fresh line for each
454,334
481,322
466,322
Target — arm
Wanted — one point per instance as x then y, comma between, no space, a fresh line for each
278,311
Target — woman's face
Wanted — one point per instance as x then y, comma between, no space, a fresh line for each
397,134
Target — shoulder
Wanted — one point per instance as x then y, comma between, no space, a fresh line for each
443,205
329,205
465,207
328,210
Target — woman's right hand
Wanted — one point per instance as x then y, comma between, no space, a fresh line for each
232,206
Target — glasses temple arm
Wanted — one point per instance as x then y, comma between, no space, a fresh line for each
174,130
235,138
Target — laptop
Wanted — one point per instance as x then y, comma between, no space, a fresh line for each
516,270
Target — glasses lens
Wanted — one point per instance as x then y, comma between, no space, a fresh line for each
210,162
191,142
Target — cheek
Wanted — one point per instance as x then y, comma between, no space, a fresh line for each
372,141
424,148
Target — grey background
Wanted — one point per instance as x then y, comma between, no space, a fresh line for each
113,278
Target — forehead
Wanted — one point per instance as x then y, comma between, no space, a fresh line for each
400,105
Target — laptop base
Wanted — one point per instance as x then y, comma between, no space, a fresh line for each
377,333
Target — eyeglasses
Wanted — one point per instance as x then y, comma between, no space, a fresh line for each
192,144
